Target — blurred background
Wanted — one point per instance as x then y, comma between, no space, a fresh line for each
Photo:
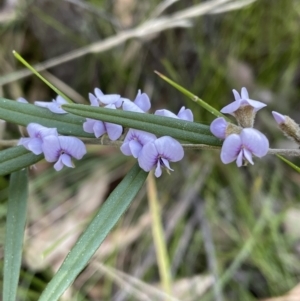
232,233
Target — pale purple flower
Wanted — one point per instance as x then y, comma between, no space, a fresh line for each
218,127
134,142
99,128
54,106
37,134
158,153
279,118
61,149
184,114
22,100
241,147
141,104
240,101
105,99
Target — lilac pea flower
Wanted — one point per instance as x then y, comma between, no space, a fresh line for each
158,153
184,114
243,108
218,127
102,99
36,133
241,147
242,100
62,149
99,128
134,142
54,106
22,100
141,104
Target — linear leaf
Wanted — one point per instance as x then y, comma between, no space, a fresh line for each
16,158
14,233
91,239
159,125
23,113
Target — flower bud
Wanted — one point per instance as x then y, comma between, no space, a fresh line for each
222,129
288,126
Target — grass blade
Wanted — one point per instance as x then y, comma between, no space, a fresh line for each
15,225
91,239
16,158
159,125
288,162
23,114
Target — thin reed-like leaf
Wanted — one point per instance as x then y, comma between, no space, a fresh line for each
91,239
15,225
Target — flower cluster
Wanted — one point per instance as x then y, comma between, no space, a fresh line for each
242,141
59,149
152,152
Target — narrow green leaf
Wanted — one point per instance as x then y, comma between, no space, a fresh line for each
193,97
14,233
23,114
16,158
159,125
288,162
91,239
26,64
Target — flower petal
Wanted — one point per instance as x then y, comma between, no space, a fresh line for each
93,100
165,113
236,94
169,148
148,157
135,148
56,108
158,170
72,146
22,100
239,159
231,148
98,93
130,106
232,107
99,128
109,99
114,131
244,93
248,156
218,127
59,164
142,101
256,142
185,114
279,118
257,105
67,160
60,100
51,148
88,125
35,145
166,164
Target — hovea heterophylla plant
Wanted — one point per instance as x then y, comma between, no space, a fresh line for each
153,144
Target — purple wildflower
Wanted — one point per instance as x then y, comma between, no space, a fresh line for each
134,142
54,106
103,100
37,134
141,104
241,147
62,149
243,108
99,127
184,114
158,153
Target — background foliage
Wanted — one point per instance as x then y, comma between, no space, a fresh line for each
240,226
